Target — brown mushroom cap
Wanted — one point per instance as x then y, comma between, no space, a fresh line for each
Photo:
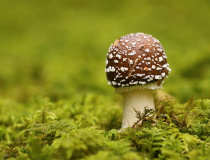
136,59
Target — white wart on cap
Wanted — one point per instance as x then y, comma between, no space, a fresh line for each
136,59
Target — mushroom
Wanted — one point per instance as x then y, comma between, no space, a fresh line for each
136,65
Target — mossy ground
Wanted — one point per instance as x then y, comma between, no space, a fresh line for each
54,99
89,129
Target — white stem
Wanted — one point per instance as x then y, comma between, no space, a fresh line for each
138,99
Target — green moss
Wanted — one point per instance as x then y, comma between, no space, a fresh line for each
180,131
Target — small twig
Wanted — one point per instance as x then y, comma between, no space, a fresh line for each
183,152
115,43
144,116
134,65
137,120
129,64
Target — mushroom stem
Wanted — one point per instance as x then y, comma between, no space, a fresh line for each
138,99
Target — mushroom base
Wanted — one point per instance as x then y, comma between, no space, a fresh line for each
138,99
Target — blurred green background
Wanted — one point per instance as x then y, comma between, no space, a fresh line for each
57,48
